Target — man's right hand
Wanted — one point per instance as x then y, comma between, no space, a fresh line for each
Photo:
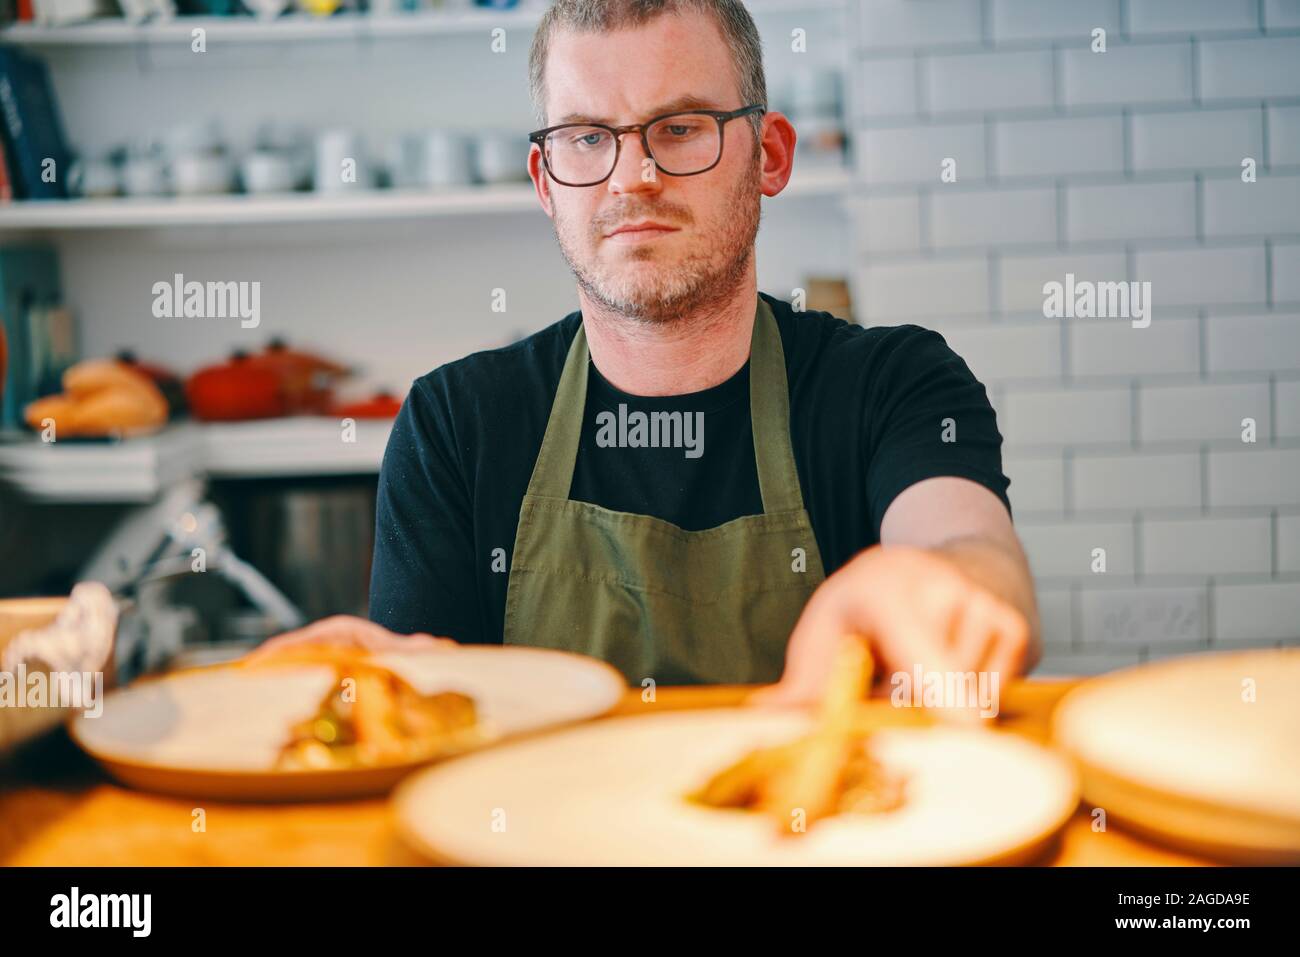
347,631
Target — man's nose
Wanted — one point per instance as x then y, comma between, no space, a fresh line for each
635,171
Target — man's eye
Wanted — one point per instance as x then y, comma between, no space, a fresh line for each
588,140
681,130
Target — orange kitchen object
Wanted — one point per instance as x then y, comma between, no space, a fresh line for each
306,380
382,405
235,390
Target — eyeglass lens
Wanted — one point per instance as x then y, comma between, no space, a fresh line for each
682,144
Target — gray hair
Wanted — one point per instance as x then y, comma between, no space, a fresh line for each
604,16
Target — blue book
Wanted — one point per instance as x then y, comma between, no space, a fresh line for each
35,146
29,283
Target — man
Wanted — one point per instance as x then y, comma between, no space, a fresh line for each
664,478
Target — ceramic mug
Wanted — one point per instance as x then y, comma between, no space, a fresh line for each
94,178
340,164
200,174
144,175
266,171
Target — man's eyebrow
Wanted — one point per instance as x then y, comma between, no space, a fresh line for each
688,102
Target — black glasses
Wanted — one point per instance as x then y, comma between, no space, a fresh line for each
681,144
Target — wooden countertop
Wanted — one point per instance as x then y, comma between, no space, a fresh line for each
58,809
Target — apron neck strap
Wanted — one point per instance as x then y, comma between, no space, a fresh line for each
769,413
769,406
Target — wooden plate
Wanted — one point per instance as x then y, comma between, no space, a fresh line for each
1179,751
613,793
216,732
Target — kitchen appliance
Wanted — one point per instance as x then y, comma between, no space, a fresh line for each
313,539
162,542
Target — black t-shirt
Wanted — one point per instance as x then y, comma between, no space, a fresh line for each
872,411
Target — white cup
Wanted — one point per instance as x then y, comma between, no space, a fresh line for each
340,163
94,178
447,159
200,174
267,9
144,175
266,171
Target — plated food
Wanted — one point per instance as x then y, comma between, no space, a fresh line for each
615,792
258,730
371,716
860,783
832,770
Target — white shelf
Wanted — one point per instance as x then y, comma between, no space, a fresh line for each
287,208
139,469
134,470
312,208
288,447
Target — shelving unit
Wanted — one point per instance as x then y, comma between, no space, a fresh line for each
308,208
133,470
138,469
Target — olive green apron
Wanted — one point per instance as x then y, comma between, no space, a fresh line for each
654,600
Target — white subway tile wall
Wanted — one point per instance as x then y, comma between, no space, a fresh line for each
1005,144
1196,139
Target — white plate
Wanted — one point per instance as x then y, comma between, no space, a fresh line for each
613,792
1180,750
217,731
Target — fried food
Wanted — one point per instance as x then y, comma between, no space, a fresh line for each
371,716
101,397
828,771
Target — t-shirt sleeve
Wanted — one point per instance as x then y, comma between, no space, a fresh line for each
929,417
422,577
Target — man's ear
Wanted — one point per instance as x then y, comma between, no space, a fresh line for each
778,142
541,182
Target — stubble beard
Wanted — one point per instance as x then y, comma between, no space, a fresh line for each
698,284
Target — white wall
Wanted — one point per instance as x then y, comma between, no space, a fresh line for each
1123,165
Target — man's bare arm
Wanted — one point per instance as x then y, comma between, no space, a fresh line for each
967,524
948,589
